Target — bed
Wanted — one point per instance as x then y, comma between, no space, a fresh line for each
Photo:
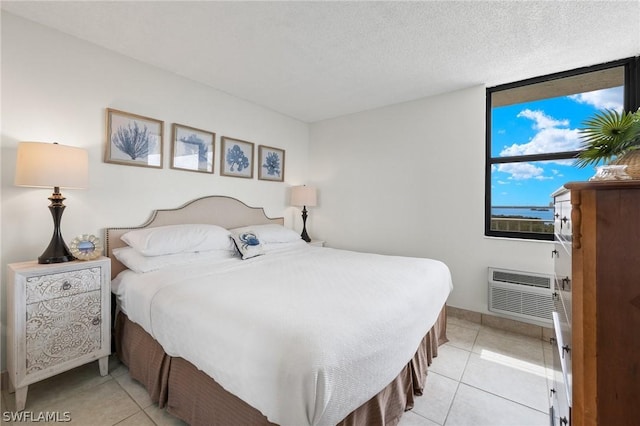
281,332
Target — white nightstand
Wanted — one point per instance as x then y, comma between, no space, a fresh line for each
316,243
58,319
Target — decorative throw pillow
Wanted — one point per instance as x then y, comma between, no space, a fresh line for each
247,244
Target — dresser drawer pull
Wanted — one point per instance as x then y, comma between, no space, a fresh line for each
96,321
554,253
566,349
565,283
66,285
563,420
564,219
551,392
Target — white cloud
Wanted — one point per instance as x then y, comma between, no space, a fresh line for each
602,99
553,136
501,182
547,140
542,120
519,171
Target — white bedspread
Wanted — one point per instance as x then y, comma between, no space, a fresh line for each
305,336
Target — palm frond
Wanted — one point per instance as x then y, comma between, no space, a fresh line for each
608,134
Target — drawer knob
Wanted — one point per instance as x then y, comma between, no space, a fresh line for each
563,420
566,349
554,253
564,219
96,321
66,285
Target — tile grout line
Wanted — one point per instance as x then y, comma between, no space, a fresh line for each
446,417
506,399
135,402
499,396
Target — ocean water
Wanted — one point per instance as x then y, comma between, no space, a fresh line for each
542,212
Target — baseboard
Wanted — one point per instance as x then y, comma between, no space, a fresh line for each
501,323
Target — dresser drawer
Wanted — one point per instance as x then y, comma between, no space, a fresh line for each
563,282
62,329
562,356
63,284
560,406
562,216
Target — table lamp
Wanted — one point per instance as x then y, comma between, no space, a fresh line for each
46,165
303,196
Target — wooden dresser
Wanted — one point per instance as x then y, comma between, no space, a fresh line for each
599,335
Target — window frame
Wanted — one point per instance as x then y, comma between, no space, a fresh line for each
631,103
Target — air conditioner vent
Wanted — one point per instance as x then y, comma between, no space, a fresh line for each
541,281
523,295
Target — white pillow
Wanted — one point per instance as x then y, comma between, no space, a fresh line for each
171,239
137,262
300,244
247,244
271,233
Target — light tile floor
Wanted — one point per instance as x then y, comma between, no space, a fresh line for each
485,377
482,377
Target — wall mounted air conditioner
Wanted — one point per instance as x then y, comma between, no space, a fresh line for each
525,296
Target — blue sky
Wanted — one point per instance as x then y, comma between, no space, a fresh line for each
548,125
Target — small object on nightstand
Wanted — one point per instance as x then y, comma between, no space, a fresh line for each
86,247
58,318
316,243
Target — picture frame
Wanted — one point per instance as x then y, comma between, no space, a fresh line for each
86,247
133,139
192,149
270,163
236,158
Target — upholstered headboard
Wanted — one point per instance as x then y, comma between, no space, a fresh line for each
224,211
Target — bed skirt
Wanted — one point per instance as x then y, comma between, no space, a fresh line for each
196,398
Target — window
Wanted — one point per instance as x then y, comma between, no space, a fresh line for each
532,140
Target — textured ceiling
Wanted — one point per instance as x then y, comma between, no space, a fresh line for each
317,60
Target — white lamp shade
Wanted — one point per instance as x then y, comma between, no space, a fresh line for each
303,196
47,165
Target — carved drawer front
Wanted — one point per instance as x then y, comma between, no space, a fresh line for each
45,287
62,329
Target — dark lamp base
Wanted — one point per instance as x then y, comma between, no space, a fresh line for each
57,252
58,259
304,234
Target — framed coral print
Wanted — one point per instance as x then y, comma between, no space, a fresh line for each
271,163
237,158
192,149
133,139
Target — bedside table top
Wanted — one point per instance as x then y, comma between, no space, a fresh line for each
49,267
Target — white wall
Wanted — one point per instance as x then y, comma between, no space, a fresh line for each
408,179
56,88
